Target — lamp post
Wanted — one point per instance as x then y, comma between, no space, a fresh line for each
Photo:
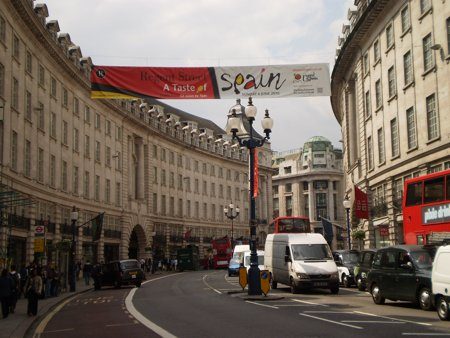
72,270
231,212
347,204
235,126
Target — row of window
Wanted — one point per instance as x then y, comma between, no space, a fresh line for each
191,209
318,184
321,206
433,132
160,153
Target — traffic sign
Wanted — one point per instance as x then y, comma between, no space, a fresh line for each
38,245
39,230
265,281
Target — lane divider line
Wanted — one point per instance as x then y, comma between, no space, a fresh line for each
331,321
310,303
265,305
209,286
391,318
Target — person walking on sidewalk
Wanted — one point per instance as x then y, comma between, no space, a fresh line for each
33,290
6,286
87,271
15,292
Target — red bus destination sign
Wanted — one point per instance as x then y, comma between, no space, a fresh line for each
436,214
111,82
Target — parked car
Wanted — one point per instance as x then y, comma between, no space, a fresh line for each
401,272
346,261
363,267
233,267
440,279
118,273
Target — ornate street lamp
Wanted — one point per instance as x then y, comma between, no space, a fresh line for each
72,269
231,213
248,139
347,205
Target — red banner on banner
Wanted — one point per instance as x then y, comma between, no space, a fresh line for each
255,173
361,205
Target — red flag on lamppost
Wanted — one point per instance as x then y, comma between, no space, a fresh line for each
255,173
361,205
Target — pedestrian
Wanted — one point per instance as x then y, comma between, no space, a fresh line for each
87,271
23,279
15,292
78,270
33,290
6,286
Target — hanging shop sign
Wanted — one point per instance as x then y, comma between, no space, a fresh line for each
111,82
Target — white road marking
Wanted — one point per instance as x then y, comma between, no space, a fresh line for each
385,317
344,312
61,330
372,321
265,305
310,303
425,334
209,286
121,324
331,321
143,320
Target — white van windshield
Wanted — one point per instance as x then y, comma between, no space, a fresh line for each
311,251
260,260
238,256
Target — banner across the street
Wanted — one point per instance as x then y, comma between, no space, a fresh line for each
110,82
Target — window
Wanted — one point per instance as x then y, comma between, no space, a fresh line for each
394,138
366,63
65,97
405,19
15,94
97,151
97,188
367,103
118,194
2,80
432,118
27,161
171,180
75,180
288,170
86,185
171,157
14,151
76,106
53,124
28,62
275,189
414,194
163,177
411,128
52,170
155,151
118,156
179,161
425,5
381,150
172,206
2,29
378,94
108,127
288,187
163,204
28,115
204,188
448,35
155,175
87,114
87,142
205,210
53,87
392,85
64,176
16,47
213,190
40,165
288,205
389,36
376,51
370,152
428,61
434,190
97,121
76,140
228,174
41,75
108,156
41,116
65,133
108,191
407,68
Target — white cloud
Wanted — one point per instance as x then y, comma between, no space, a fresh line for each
211,33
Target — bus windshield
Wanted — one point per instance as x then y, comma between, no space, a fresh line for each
311,251
293,225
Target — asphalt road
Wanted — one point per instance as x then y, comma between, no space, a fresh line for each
209,304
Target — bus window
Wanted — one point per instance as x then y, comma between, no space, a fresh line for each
414,194
419,239
434,190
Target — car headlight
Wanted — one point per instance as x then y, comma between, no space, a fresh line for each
302,275
334,275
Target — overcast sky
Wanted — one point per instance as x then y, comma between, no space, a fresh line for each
211,33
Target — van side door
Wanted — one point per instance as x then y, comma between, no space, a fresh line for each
287,265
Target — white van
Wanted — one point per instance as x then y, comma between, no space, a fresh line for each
302,261
260,254
238,252
440,281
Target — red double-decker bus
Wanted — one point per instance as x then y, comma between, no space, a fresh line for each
426,207
221,252
290,224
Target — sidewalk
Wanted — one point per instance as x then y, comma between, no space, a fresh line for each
17,323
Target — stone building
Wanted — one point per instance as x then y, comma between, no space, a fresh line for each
161,175
390,94
310,182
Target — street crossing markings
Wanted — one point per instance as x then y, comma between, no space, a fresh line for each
310,303
385,317
331,321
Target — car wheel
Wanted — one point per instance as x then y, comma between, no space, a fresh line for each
334,290
293,287
345,281
442,309
273,284
376,295
425,299
360,284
